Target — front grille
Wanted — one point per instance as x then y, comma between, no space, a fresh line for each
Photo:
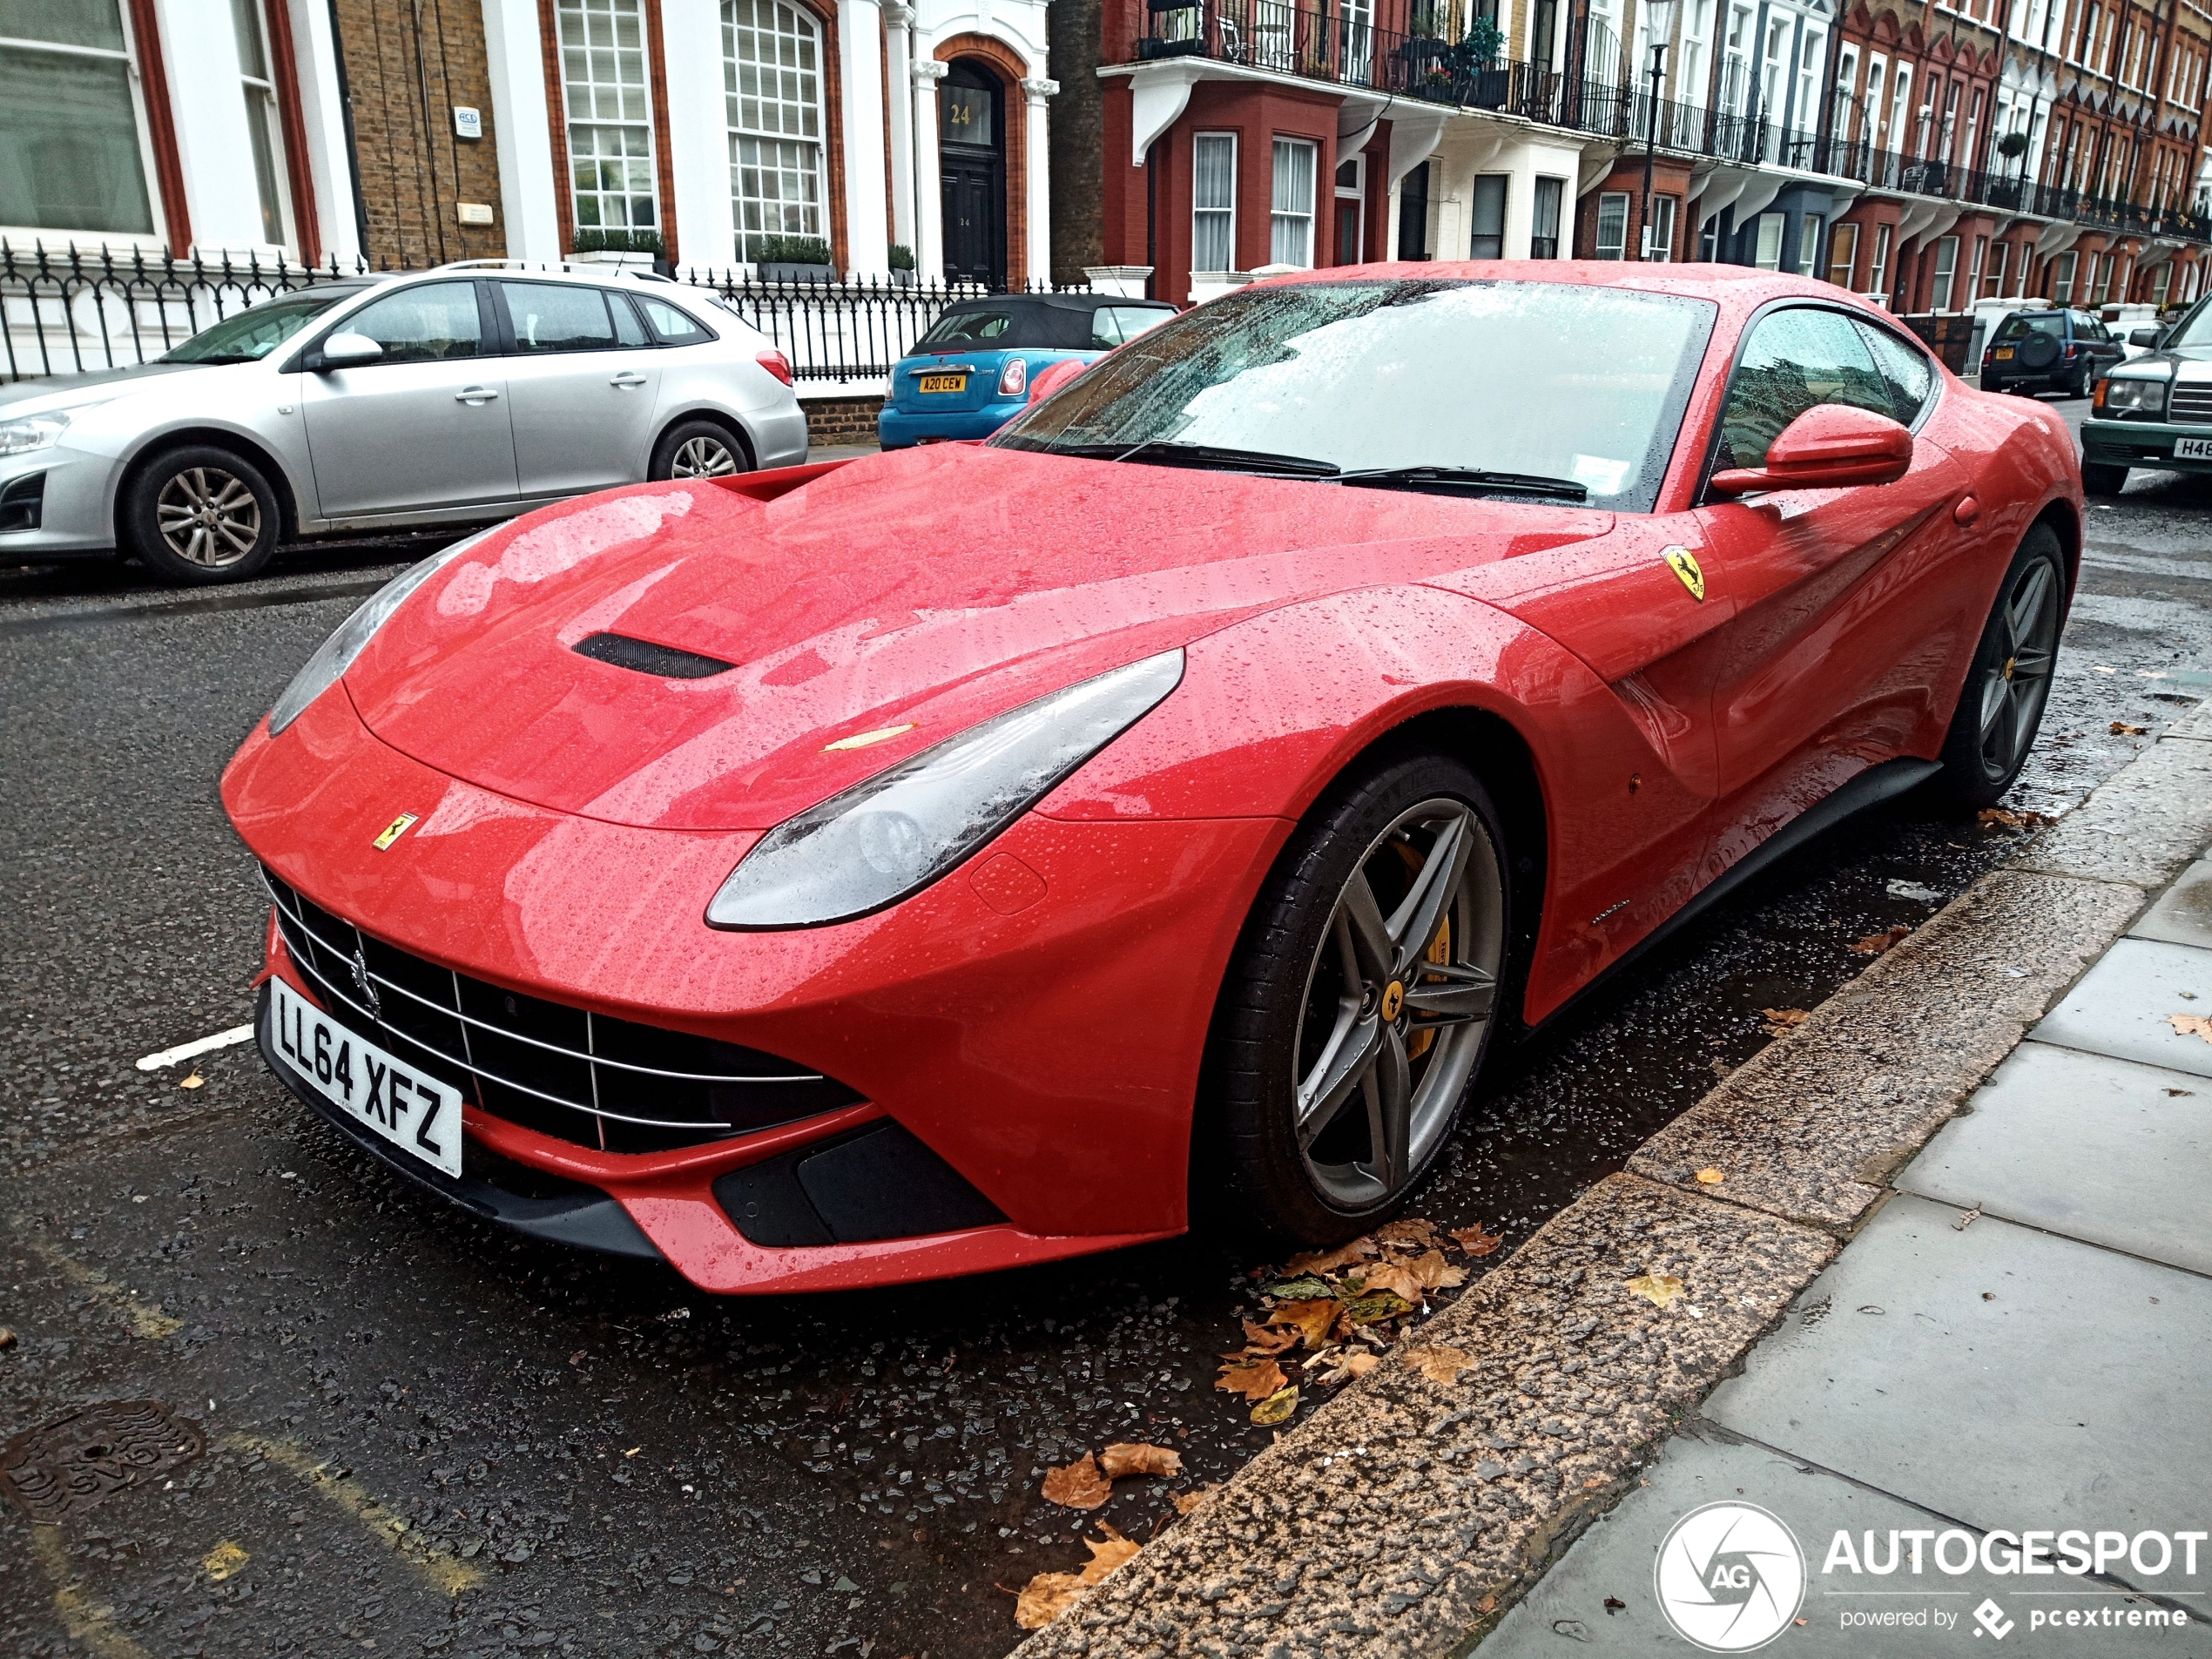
2192,403
566,1072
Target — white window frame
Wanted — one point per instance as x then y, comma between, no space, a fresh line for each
1660,233
1809,228
1289,220
155,239
1877,271
1561,229
570,122
1947,273
2064,269
765,145
1993,276
1847,235
268,120
1765,228
1228,213
1354,192
1607,209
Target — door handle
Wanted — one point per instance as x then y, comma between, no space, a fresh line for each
1967,512
627,379
474,394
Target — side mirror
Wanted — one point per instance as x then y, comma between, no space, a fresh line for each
2144,337
1055,377
343,350
1831,446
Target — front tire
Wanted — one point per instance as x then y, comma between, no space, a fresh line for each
2099,480
198,515
698,450
1361,1000
2001,707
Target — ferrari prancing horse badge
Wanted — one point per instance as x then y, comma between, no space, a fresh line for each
1683,563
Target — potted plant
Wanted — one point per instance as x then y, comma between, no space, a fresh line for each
1474,59
2012,145
902,265
794,259
631,249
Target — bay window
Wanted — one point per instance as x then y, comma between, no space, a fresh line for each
771,83
1290,226
609,114
1213,201
73,149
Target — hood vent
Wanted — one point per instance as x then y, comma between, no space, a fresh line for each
646,657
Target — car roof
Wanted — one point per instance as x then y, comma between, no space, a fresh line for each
1076,301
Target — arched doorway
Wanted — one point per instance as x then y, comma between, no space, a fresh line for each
971,146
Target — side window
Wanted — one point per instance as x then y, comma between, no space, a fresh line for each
1794,360
628,329
1112,324
675,328
1904,367
551,317
425,325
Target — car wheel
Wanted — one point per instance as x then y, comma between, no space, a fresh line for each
2098,480
2081,382
698,450
198,514
2001,703
1359,1006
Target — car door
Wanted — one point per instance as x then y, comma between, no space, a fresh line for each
423,427
1828,664
584,376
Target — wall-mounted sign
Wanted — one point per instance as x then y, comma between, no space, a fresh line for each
467,123
473,213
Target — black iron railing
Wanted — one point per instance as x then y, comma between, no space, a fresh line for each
65,310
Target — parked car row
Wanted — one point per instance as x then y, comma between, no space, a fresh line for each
2154,409
468,393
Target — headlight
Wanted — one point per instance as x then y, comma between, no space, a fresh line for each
899,831
2131,394
336,654
33,432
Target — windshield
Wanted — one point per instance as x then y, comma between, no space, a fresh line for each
1458,382
2196,329
255,333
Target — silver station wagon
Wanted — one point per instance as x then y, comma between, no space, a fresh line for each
466,392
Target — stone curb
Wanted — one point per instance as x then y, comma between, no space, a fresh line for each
1402,1517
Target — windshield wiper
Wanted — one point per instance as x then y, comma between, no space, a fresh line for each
1496,483
1170,452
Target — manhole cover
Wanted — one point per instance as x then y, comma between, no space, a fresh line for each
65,1466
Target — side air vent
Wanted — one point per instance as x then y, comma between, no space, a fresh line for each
882,1183
646,657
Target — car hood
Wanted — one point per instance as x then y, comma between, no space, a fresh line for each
925,588
2192,363
68,391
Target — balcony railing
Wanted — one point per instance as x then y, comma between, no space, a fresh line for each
1314,43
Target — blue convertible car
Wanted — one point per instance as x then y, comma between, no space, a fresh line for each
970,373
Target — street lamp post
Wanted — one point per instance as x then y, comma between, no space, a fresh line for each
1657,11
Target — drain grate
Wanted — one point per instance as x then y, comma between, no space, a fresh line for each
63,1467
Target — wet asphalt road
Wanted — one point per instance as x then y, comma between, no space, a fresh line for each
422,1435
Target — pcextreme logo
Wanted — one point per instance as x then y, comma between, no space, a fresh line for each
1730,1577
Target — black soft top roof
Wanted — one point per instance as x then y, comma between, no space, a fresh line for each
1041,320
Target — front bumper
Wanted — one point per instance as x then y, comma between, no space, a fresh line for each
76,488
2140,443
896,429
1046,1048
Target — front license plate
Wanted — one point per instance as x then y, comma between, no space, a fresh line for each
2193,449
418,1114
2004,353
944,383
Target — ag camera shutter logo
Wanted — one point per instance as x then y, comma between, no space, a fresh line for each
1730,1577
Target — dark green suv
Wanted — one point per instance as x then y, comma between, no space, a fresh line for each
2049,351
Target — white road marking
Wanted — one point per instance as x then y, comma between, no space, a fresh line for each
237,1034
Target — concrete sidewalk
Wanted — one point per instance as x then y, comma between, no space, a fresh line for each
2017,1341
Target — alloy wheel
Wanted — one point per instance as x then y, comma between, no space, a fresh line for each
208,517
2018,681
1397,1003
703,457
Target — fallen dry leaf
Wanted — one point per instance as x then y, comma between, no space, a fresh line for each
1045,1597
1276,1407
1079,1485
1440,1365
1139,1458
2014,820
1660,1290
1487,1604
1309,1320
1373,1309
1186,1501
1875,944
1411,1230
1779,1021
2191,1025
1109,1553
1434,1273
1710,1177
1359,1362
1475,1242
1260,1340
2120,728
1327,1261
192,1082
1393,1277
1255,1377
1302,1289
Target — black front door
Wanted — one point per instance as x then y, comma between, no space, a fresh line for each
972,148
